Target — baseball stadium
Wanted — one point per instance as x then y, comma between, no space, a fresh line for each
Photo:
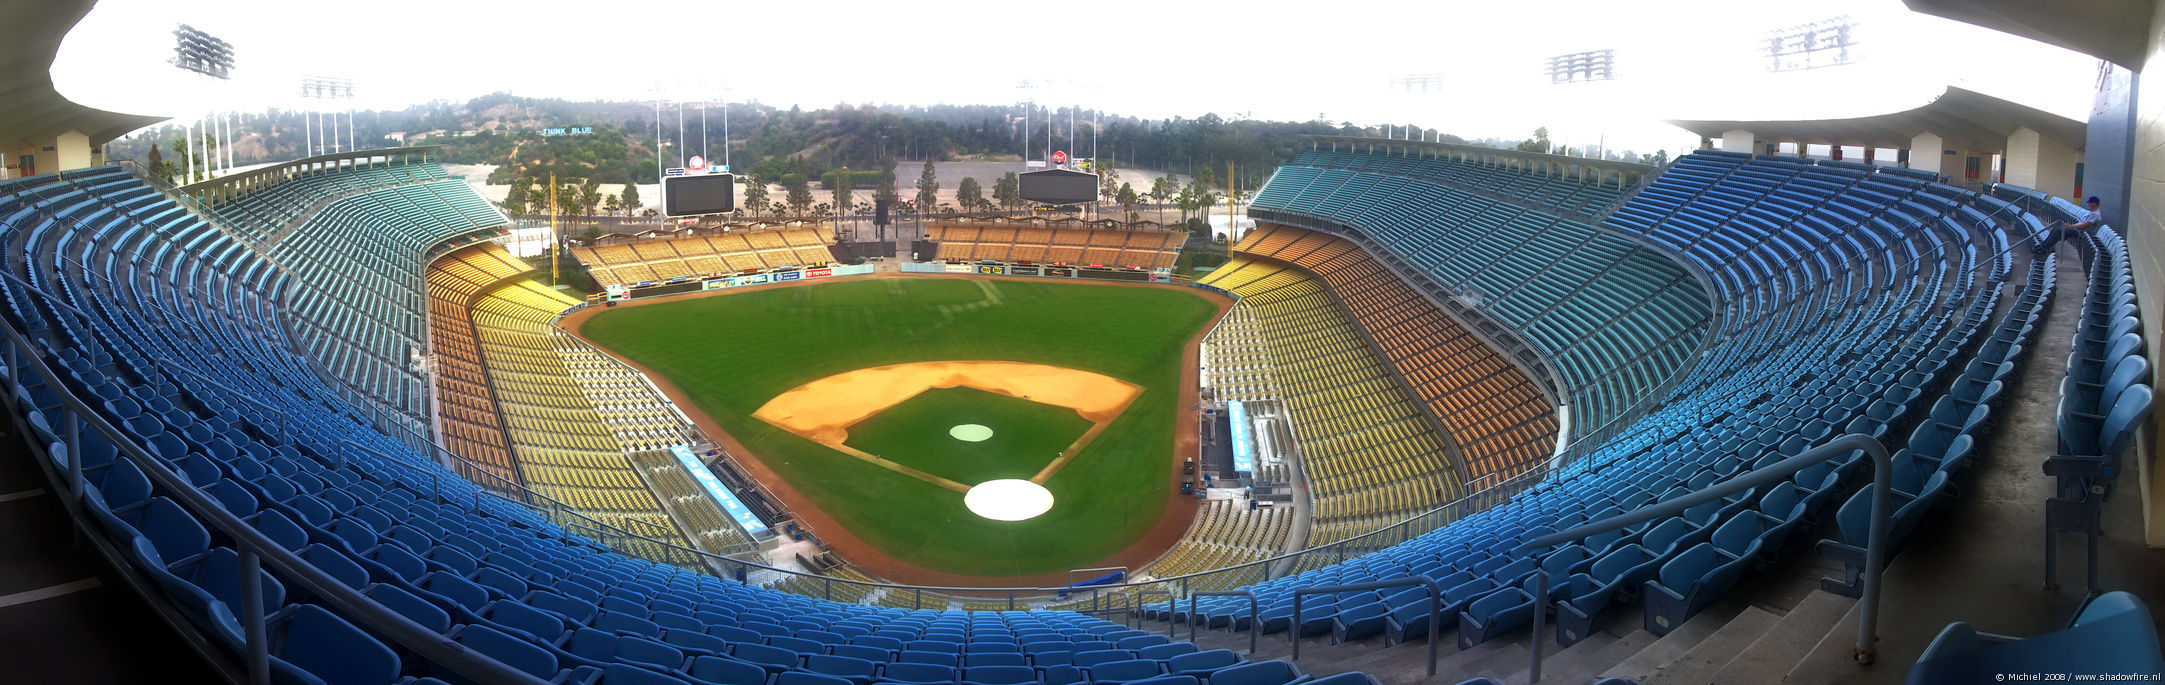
526,389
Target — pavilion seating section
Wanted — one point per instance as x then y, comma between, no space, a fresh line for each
696,256
1226,533
468,423
1611,316
1498,417
1863,327
1370,455
188,358
1236,358
577,406
257,216
567,451
357,297
1074,246
1558,192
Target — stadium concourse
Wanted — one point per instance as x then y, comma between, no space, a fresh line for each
1656,424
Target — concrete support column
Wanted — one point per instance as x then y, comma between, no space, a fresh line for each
71,151
11,162
1738,141
2040,163
1927,152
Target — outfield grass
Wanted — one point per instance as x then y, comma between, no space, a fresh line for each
734,352
1025,435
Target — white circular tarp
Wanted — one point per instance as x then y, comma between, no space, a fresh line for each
1008,499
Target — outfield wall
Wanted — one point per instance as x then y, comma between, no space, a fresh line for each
1042,271
696,285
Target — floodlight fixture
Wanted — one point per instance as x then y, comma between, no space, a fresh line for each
202,53
1581,67
1814,45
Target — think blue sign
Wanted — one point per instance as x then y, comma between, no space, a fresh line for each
722,496
1243,454
568,131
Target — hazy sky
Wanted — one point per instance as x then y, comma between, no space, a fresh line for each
1675,58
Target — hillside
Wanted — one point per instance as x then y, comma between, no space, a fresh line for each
507,132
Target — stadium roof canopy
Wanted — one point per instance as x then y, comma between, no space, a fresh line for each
1962,118
2114,30
32,112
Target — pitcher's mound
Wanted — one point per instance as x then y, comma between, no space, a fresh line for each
1008,499
970,432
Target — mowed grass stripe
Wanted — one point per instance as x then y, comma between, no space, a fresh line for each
732,353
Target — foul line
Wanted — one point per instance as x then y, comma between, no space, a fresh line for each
1046,473
884,463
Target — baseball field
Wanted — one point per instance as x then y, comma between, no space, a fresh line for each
881,401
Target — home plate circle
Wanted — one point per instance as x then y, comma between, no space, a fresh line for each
970,432
1008,499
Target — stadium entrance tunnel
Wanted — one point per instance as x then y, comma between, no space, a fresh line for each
1008,499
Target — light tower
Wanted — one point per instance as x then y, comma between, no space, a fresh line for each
211,57
329,88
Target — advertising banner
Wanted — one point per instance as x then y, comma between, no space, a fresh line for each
956,268
780,276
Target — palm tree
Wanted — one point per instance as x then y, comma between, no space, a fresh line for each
1161,190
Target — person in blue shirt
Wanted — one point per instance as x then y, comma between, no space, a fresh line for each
2091,219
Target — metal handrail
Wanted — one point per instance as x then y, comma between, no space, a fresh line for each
254,547
1875,547
1255,613
1138,612
1435,609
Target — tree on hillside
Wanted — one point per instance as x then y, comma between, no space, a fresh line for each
1007,190
886,188
631,198
1204,197
1108,182
611,203
156,163
515,201
755,194
567,199
800,196
840,186
1161,190
969,194
1127,198
1186,202
179,146
589,197
928,188
1539,143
